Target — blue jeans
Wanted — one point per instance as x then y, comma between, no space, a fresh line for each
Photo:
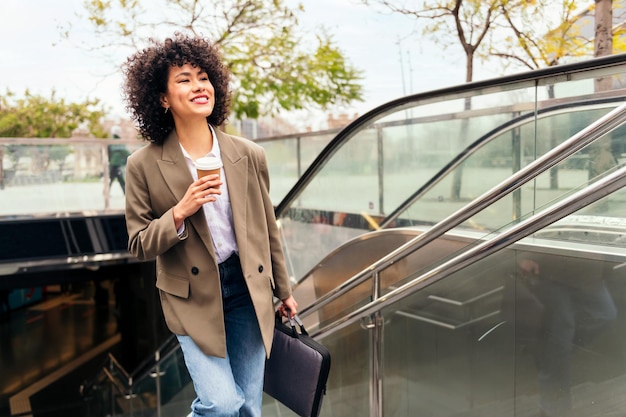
231,386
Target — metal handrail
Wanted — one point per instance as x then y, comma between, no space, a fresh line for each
113,361
146,367
121,388
578,200
600,127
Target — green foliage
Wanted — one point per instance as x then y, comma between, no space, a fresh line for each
563,34
274,68
277,81
35,116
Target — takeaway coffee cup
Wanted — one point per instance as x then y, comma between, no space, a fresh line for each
208,165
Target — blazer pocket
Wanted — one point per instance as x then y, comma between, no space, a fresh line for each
173,284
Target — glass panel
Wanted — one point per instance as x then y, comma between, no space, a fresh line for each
355,163
39,176
602,223
101,396
505,154
288,158
506,150
572,336
311,146
416,152
168,386
273,408
311,235
347,390
177,392
282,160
347,393
532,329
434,363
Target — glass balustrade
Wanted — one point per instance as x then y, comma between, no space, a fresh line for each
288,157
45,177
423,160
535,328
48,176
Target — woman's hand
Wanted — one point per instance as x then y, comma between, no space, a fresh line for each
204,190
289,307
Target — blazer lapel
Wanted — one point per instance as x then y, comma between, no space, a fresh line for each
236,171
171,165
174,169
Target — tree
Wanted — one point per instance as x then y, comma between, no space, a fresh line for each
511,29
601,157
537,43
467,22
36,116
272,67
604,27
571,33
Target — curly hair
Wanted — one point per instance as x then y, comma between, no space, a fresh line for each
147,73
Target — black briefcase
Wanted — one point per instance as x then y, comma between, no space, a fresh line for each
297,369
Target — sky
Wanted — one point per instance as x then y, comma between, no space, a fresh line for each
395,60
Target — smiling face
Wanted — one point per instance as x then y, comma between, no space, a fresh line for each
189,93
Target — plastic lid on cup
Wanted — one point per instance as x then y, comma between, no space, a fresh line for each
208,163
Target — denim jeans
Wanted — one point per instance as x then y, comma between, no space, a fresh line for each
231,386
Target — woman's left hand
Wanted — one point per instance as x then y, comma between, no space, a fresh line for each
289,307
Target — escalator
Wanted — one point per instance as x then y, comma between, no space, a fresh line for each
455,262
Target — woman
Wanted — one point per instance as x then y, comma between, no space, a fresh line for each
215,239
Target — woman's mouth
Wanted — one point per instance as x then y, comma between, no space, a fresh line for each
200,99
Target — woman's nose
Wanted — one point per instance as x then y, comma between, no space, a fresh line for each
198,86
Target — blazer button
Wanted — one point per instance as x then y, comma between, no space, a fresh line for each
195,270
260,268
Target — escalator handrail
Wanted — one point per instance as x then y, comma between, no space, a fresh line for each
593,192
533,78
600,127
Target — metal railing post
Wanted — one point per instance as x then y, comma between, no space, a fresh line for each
376,358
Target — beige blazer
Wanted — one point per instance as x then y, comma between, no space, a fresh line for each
187,271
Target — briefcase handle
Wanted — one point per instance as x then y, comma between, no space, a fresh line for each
294,322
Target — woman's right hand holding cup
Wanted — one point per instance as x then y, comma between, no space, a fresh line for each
201,191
